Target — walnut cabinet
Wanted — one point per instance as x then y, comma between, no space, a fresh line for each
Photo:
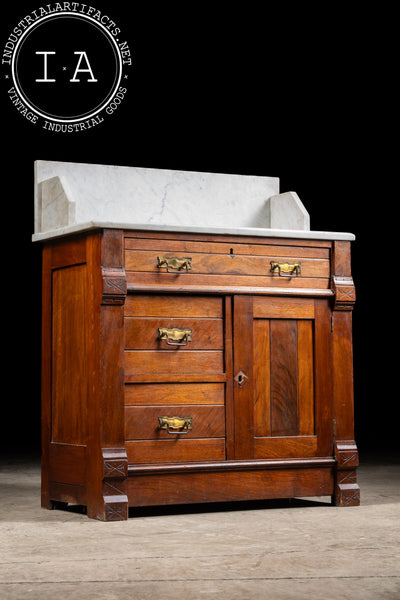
188,368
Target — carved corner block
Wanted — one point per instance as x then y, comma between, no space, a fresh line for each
116,511
113,286
347,494
115,472
346,453
347,490
345,293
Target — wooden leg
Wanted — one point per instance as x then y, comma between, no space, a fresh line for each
347,491
114,484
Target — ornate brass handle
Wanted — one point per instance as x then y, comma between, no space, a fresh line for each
282,268
175,336
174,424
173,263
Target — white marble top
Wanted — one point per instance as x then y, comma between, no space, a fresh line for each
73,197
249,231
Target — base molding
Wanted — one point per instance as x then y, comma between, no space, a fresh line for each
229,465
201,485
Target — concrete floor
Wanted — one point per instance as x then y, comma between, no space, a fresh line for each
291,550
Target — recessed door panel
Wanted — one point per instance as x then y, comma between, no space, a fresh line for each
283,377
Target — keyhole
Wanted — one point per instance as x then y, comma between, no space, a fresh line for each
240,378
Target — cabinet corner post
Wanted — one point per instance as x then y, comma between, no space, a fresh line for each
107,499
347,491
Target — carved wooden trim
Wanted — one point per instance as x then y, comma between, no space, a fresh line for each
116,511
115,472
347,494
115,469
112,267
347,491
342,282
345,293
346,454
115,463
346,477
113,286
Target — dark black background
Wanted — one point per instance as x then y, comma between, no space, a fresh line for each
304,94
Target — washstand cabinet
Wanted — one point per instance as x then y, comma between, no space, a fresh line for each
190,367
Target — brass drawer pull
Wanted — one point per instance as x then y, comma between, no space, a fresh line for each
173,263
175,336
174,424
283,268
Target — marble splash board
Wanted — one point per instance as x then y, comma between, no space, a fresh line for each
71,197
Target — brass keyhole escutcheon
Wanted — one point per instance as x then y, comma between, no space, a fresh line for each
240,378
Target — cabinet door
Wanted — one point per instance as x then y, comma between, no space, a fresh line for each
283,377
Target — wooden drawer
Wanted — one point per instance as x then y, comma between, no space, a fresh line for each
146,402
146,353
228,264
142,422
143,333
175,451
177,393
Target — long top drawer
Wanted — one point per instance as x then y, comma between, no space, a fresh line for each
173,263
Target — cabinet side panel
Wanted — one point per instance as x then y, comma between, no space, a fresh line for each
46,376
69,372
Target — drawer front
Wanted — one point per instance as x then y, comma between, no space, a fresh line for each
144,333
164,362
146,402
169,263
175,432
167,394
143,305
171,451
143,422
173,334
